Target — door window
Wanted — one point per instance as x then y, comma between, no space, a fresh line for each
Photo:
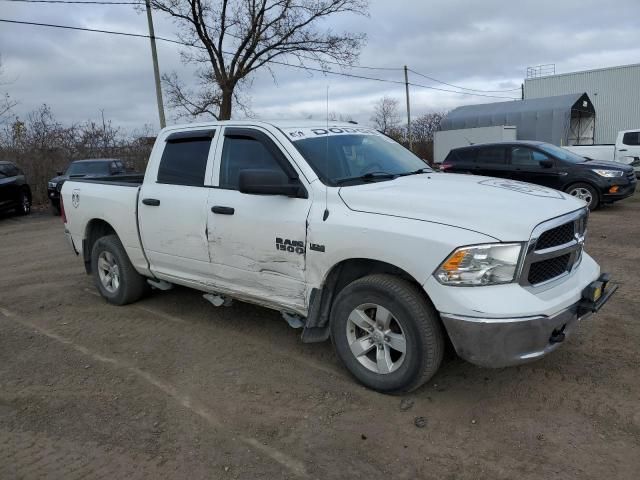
631,138
242,152
526,157
492,156
467,155
184,161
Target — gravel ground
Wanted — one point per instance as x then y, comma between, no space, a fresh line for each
171,387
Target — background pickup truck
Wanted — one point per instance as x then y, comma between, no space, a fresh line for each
352,237
626,150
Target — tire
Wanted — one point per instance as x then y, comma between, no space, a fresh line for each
55,209
412,318
122,285
24,208
585,192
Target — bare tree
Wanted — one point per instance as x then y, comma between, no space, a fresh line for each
386,117
238,37
6,103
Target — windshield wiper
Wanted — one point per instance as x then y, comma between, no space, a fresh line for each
367,177
415,172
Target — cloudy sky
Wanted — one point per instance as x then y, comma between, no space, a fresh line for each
485,45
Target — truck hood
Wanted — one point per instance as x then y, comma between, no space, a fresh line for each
506,210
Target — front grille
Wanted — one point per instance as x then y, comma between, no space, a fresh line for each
556,236
554,249
547,269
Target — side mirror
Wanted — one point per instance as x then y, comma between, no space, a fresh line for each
59,172
546,163
270,182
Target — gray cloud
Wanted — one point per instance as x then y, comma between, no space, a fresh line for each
484,45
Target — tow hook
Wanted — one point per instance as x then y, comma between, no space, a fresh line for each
557,336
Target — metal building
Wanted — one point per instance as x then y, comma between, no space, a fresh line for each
561,120
615,93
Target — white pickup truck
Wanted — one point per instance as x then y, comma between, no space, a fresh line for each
352,237
626,150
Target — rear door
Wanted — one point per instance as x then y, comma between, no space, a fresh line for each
257,242
531,165
8,185
491,161
172,207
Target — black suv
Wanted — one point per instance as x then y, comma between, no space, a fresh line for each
594,181
82,169
15,193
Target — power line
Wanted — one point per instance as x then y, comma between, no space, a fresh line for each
275,62
86,2
463,88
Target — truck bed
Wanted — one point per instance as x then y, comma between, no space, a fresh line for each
109,199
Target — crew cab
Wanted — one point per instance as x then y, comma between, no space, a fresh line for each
626,150
595,182
350,236
89,168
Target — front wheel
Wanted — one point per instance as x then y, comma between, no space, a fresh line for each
25,203
113,274
386,333
585,192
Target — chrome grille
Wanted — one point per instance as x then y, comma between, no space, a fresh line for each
555,248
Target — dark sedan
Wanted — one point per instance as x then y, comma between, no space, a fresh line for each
594,181
98,167
15,194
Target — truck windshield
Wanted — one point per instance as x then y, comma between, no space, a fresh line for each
561,153
88,168
353,158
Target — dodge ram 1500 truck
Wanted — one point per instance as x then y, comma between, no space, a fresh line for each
350,236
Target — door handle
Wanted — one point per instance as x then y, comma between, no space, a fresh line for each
223,210
622,149
152,202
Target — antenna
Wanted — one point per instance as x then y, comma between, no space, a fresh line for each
325,215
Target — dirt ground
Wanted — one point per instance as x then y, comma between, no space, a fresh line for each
171,387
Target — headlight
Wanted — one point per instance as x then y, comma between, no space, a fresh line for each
489,264
608,173
52,184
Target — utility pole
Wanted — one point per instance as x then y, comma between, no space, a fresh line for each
156,70
406,87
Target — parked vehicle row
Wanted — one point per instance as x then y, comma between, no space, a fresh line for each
350,236
15,193
82,169
595,182
626,150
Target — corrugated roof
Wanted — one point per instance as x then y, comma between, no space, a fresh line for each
516,106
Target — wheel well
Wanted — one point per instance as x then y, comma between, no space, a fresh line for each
341,275
25,188
96,228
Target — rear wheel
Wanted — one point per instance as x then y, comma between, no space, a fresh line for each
386,333
585,192
113,274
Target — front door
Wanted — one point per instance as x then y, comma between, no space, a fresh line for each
533,166
257,242
173,209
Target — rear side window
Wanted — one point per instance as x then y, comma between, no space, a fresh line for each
184,161
631,138
467,155
243,153
492,156
8,170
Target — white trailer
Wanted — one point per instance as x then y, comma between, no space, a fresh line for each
446,140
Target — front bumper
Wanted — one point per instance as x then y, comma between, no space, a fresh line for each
502,342
626,188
